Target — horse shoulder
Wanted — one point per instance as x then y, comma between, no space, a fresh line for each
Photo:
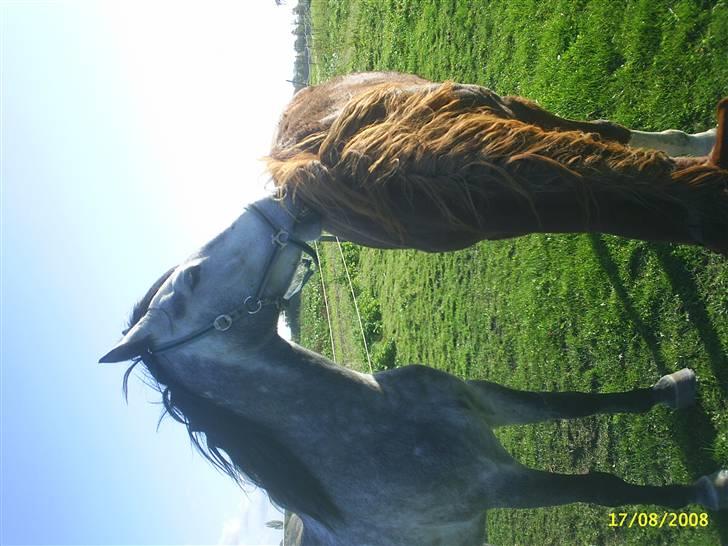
420,381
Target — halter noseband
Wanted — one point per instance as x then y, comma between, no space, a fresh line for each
251,304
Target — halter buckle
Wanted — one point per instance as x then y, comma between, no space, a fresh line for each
280,239
255,307
222,323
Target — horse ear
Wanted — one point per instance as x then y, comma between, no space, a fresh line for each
134,343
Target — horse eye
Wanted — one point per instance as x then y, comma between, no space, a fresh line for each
192,276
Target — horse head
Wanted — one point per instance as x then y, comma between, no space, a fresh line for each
200,332
224,298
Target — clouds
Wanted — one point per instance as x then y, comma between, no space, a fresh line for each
230,534
247,526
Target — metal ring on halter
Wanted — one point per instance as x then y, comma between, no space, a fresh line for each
223,322
253,310
280,239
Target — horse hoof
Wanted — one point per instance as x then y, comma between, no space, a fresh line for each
712,491
677,390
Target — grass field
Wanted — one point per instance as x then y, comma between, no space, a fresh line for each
552,312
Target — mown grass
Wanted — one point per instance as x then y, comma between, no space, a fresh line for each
557,312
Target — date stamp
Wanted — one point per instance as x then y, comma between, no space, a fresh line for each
658,519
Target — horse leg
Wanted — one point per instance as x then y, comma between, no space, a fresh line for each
503,406
528,488
713,142
675,143
672,142
719,155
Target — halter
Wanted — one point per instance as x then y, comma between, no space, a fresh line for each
251,304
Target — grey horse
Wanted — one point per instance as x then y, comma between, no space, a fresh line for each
402,457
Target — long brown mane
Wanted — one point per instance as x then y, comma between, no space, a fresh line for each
462,148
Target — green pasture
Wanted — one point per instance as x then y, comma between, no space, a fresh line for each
590,313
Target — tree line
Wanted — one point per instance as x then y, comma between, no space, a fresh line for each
302,45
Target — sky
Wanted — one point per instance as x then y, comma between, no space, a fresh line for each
131,133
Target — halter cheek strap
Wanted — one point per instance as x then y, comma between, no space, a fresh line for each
251,304
280,239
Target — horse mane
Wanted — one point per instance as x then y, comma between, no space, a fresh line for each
459,151
241,448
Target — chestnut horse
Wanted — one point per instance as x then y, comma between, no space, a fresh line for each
394,161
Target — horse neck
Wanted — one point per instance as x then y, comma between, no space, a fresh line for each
282,379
